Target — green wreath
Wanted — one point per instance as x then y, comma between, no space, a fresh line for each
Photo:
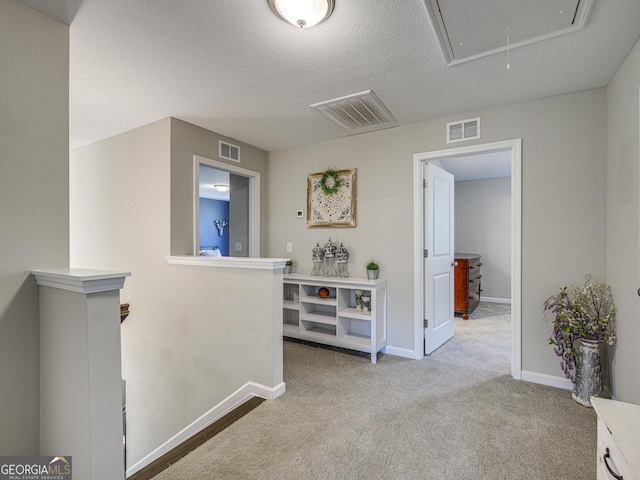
337,182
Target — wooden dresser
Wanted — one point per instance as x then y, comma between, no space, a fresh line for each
467,283
618,439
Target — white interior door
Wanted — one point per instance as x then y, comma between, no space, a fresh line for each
438,263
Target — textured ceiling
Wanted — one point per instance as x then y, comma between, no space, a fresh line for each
499,24
478,166
209,177
235,68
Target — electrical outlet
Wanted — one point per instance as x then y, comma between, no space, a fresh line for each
238,246
289,247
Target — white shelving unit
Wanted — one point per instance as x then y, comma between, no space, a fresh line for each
334,320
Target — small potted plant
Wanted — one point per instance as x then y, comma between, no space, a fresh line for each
287,266
372,270
583,318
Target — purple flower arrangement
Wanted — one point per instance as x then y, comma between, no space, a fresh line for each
584,312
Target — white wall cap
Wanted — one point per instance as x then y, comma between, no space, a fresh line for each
81,280
229,262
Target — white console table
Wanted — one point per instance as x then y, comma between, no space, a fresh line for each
334,320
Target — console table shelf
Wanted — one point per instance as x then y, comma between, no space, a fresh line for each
334,319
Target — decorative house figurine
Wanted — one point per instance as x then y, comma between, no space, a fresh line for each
342,259
329,264
318,258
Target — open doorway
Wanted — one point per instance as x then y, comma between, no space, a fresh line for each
224,213
445,158
214,211
226,209
482,264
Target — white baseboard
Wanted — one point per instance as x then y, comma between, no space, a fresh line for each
269,393
544,379
400,352
495,300
233,401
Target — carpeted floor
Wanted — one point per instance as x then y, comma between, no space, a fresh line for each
455,414
483,341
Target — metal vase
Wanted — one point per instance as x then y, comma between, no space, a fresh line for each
588,373
372,274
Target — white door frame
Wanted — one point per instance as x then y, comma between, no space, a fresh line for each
515,147
254,201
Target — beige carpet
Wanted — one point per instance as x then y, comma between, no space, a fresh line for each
441,417
482,341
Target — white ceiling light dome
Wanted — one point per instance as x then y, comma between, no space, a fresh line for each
302,13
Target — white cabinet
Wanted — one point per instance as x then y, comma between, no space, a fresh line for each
334,319
618,439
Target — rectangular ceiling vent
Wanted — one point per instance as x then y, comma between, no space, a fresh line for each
360,111
228,151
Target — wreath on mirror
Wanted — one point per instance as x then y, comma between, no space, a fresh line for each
335,182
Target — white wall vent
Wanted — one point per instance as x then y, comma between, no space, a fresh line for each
228,151
463,130
360,111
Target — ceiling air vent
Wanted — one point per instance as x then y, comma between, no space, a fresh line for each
360,111
228,151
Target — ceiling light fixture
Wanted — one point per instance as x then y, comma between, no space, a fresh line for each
221,187
302,13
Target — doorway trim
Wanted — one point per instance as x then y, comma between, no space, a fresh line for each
254,201
419,159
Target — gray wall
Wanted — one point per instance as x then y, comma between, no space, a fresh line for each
188,140
211,210
563,219
622,223
483,225
239,216
34,199
186,341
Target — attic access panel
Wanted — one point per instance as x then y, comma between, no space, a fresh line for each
467,30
